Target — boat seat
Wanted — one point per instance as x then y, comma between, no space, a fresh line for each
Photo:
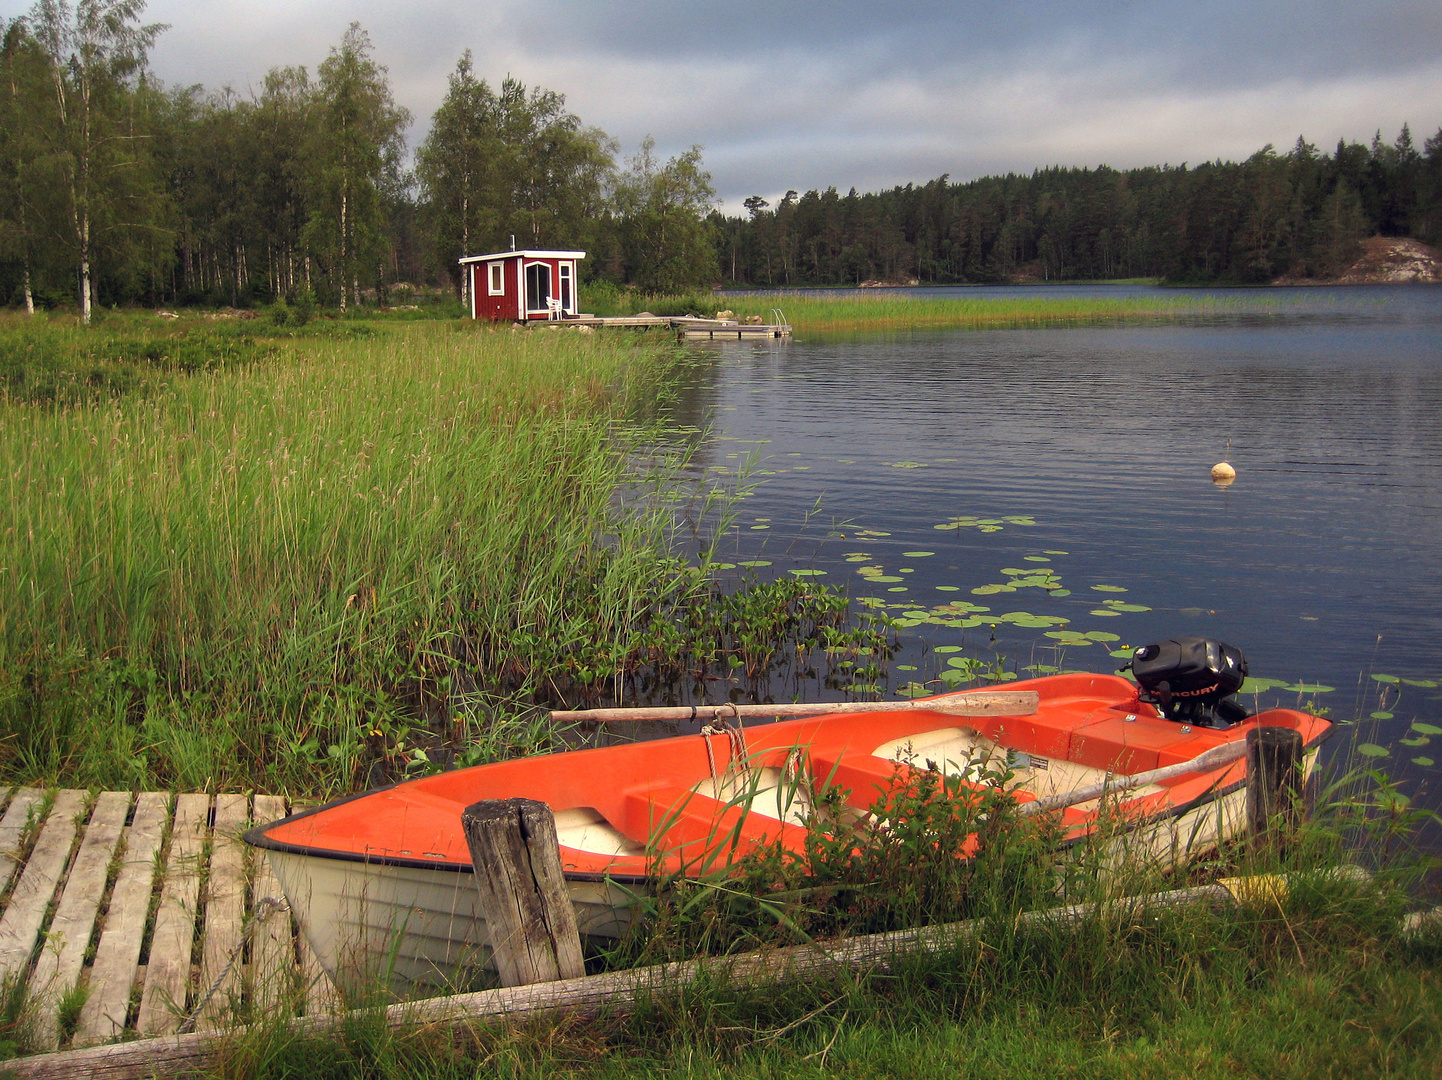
695,822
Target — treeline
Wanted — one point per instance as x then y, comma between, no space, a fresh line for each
1301,213
116,189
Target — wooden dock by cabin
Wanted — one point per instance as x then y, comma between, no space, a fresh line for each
687,327
126,915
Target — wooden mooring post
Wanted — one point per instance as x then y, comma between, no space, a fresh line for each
529,918
1274,784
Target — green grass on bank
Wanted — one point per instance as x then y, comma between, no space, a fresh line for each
1324,986
867,311
265,575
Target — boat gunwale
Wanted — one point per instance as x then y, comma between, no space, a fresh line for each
256,836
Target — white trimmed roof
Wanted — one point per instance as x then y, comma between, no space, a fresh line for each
527,253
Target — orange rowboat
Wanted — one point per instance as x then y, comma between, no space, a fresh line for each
381,882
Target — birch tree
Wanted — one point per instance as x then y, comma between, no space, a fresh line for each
354,163
96,54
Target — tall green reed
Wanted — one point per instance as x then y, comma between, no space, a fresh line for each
255,576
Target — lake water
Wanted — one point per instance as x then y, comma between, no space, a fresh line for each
1321,562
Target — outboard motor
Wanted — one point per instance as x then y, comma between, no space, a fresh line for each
1189,679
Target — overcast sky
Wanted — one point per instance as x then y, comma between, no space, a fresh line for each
869,94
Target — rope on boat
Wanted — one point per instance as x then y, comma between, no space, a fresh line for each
735,733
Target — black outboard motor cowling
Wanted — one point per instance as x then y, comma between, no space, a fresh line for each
1189,678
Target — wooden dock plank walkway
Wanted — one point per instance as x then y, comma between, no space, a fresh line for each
112,977
188,925
57,969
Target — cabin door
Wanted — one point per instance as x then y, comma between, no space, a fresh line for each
538,287
568,304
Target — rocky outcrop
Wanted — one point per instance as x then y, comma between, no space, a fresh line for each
1385,260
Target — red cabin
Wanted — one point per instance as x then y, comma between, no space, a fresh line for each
523,285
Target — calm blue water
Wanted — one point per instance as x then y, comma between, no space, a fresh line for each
1321,561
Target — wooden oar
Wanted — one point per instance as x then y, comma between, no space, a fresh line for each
963,703
1214,758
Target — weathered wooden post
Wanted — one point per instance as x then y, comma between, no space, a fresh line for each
529,918
1274,784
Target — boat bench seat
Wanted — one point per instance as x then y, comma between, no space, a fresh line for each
696,822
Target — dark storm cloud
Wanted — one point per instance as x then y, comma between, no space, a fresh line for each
1192,42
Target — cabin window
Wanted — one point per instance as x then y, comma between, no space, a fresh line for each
497,274
538,286
565,290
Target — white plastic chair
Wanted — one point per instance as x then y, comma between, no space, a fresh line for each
554,310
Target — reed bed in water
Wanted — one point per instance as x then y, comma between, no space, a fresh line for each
268,576
866,311
873,312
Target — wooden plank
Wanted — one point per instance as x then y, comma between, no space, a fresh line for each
113,974
167,970
23,918
221,985
614,993
58,967
13,827
273,958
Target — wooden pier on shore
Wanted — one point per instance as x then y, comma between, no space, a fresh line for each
126,915
687,327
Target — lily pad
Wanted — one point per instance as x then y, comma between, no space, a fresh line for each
1105,612
1107,588
1122,654
1420,740
1387,679
947,649
1117,606
1368,749
1309,688
917,554
1426,729
1380,715
1101,635
1036,558
808,573
1425,762
948,588
1260,686
1430,684
1046,552
1061,592
755,562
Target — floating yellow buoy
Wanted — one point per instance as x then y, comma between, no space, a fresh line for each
1222,472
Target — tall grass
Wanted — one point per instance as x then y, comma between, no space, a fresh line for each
263,576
